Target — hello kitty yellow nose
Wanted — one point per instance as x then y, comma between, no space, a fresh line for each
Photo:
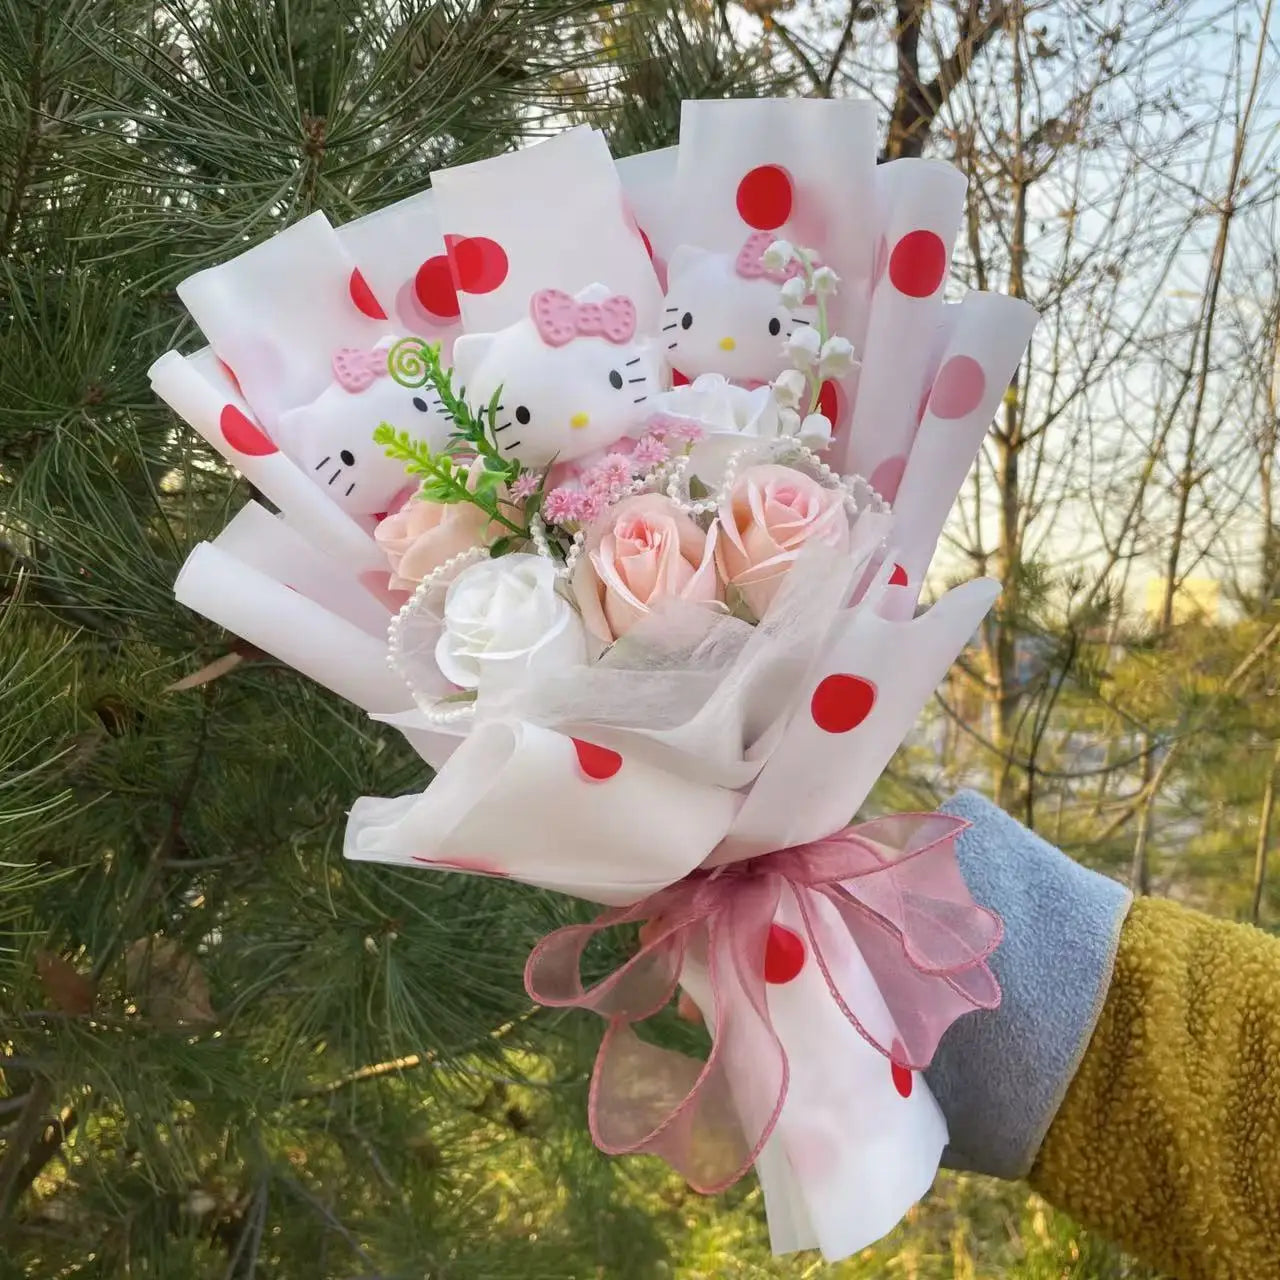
727,344
579,420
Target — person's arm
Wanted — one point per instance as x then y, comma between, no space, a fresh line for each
1133,1070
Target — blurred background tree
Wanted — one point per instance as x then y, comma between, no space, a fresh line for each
226,1053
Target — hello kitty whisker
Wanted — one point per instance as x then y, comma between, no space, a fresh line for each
631,362
504,426
321,462
348,492
335,475
640,379
673,308
506,448
671,346
640,400
672,325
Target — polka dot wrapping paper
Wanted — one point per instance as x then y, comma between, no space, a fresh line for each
700,766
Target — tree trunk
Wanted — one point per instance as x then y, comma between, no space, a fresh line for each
1264,839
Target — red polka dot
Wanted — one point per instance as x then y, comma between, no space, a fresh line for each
917,264
679,379
479,264
829,401
886,478
231,375
958,389
242,435
898,578
842,702
783,955
648,244
363,297
764,197
596,763
903,1080
433,286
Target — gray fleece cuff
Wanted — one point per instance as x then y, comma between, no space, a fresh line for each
1000,1076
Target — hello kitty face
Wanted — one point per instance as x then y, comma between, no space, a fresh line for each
331,438
719,320
573,377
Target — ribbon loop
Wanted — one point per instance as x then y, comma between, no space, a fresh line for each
898,892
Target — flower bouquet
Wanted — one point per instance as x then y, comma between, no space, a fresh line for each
617,504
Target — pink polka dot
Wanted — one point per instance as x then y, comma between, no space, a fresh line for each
479,264
903,1079
898,578
363,297
433,286
242,435
597,763
765,197
783,955
958,389
842,702
917,264
886,478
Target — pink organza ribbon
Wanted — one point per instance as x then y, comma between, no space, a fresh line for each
898,890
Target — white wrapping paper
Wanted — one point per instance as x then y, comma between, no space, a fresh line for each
920,203
552,216
858,1141
400,252
275,314
286,624
206,400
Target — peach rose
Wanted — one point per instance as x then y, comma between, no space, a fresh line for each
771,514
423,535
642,550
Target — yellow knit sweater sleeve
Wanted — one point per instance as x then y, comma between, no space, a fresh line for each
1168,1139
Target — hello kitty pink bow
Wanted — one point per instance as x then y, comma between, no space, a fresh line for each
560,318
354,368
750,261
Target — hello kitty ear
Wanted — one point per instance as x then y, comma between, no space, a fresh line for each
468,351
593,293
684,259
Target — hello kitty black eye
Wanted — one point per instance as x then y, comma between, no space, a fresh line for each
615,379
775,326
420,404
522,415
348,458
686,320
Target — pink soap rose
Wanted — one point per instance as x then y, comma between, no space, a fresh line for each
771,514
423,535
643,550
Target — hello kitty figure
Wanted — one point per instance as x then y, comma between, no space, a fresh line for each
331,438
574,376
724,314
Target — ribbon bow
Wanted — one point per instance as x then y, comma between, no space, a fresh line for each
750,261
354,368
560,318
896,887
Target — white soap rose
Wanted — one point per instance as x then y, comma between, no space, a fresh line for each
505,623
717,405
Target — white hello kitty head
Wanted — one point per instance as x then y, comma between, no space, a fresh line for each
724,314
574,377
331,438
